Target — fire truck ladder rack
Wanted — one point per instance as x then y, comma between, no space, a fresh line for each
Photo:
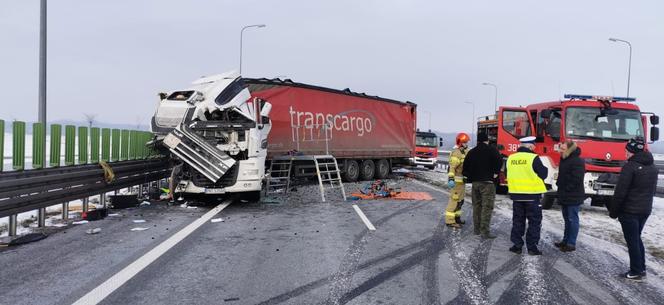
278,181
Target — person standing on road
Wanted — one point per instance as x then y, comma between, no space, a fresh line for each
571,192
632,203
455,182
481,168
525,181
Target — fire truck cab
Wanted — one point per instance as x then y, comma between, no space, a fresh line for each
600,125
426,149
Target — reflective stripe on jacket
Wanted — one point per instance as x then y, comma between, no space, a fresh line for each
521,178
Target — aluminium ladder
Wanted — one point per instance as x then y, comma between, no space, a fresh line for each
278,182
327,171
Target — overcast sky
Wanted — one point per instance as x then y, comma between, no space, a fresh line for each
112,57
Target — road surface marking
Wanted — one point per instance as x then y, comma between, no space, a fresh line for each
116,281
364,218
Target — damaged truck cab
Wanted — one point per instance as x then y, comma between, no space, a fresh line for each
217,132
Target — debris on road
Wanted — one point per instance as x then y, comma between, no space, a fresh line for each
93,231
380,190
139,229
95,214
214,220
145,203
80,222
114,215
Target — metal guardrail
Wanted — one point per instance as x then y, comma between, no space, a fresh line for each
46,184
23,191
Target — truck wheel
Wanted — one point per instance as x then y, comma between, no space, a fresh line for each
351,171
382,169
547,201
367,170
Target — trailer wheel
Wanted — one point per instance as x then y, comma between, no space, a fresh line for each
351,171
547,201
382,169
368,170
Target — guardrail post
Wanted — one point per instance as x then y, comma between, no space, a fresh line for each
94,145
38,145
102,199
18,145
115,145
12,225
132,144
2,144
84,206
82,145
105,144
56,132
65,211
41,217
70,136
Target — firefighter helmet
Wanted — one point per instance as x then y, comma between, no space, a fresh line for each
462,138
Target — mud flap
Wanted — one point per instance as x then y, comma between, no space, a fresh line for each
202,156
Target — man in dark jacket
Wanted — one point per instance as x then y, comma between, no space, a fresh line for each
632,203
481,167
525,181
571,192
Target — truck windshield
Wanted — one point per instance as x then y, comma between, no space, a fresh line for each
426,141
587,122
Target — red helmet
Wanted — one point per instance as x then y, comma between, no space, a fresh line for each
462,138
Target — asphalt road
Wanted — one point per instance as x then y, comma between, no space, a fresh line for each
303,251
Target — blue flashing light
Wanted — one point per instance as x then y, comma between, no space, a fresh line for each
600,98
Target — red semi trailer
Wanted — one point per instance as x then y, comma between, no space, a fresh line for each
367,134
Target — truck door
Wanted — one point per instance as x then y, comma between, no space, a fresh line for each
514,123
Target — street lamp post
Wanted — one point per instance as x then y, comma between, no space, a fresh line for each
629,68
495,97
242,33
472,125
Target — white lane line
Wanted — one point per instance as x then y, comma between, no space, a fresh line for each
116,281
364,218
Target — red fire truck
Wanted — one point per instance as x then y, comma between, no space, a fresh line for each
600,125
426,149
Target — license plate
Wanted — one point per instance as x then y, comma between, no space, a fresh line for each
214,191
605,192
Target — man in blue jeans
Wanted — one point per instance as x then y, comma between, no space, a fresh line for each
632,203
571,192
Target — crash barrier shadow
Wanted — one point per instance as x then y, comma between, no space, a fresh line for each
86,162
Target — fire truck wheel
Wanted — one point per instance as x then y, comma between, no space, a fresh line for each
547,201
382,169
367,170
351,171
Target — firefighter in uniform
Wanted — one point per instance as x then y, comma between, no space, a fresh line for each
525,181
455,182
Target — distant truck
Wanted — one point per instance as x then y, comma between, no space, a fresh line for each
226,129
426,149
600,125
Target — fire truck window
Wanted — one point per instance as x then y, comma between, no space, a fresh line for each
587,122
516,123
553,128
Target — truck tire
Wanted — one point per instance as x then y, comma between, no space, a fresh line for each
547,201
367,170
351,171
382,169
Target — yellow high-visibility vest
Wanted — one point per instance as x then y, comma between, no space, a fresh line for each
521,178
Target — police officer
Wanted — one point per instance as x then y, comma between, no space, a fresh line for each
455,182
525,181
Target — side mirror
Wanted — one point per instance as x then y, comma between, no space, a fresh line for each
654,134
654,120
545,114
440,142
